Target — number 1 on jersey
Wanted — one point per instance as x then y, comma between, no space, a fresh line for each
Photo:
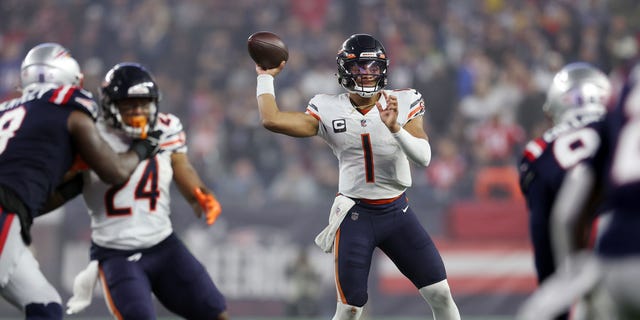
368,158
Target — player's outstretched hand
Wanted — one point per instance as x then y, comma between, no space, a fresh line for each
147,148
209,204
274,72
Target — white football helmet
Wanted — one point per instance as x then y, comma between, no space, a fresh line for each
577,90
50,63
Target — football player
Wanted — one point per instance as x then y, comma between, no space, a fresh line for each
577,97
43,131
134,248
611,174
374,132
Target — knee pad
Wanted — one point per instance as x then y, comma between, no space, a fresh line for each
36,311
437,294
347,312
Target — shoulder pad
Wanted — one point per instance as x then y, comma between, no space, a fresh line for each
410,93
76,98
413,100
534,149
319,100
173,136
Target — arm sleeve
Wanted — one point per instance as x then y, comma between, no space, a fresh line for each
416,149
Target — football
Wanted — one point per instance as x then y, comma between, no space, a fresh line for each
267,49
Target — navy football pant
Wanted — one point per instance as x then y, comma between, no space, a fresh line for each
169,270
394,229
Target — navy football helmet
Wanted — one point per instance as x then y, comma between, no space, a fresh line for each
129,80
362,65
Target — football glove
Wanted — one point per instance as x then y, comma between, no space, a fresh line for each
209,204
148,147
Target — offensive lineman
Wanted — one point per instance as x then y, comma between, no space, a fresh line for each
373,133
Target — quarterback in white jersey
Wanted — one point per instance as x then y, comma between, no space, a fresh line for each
372,165
134,249
373,133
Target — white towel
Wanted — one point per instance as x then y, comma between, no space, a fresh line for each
341,205
83,286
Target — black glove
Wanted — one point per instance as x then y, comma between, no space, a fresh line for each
147,148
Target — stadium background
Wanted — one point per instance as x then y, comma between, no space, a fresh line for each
482,66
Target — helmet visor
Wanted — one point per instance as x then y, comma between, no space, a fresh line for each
365,67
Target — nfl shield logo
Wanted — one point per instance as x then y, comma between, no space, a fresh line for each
354,216
363,122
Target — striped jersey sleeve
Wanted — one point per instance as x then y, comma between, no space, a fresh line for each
173,139
76,98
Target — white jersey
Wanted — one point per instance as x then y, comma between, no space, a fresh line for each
135,215
372,165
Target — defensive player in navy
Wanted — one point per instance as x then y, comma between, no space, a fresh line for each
374,133
578,96
134,249
613,175
43,131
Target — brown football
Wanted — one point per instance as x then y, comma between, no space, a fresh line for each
267,49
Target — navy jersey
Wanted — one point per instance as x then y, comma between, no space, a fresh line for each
36,148
617,166
542,169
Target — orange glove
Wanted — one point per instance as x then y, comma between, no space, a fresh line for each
209,204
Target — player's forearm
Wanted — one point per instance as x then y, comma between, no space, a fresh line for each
66,191
269,112
567,211
267,105
416,149
118,171
185,176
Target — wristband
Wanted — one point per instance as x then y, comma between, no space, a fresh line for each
265,85
416,149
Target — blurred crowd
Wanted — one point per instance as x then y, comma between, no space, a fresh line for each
483,68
